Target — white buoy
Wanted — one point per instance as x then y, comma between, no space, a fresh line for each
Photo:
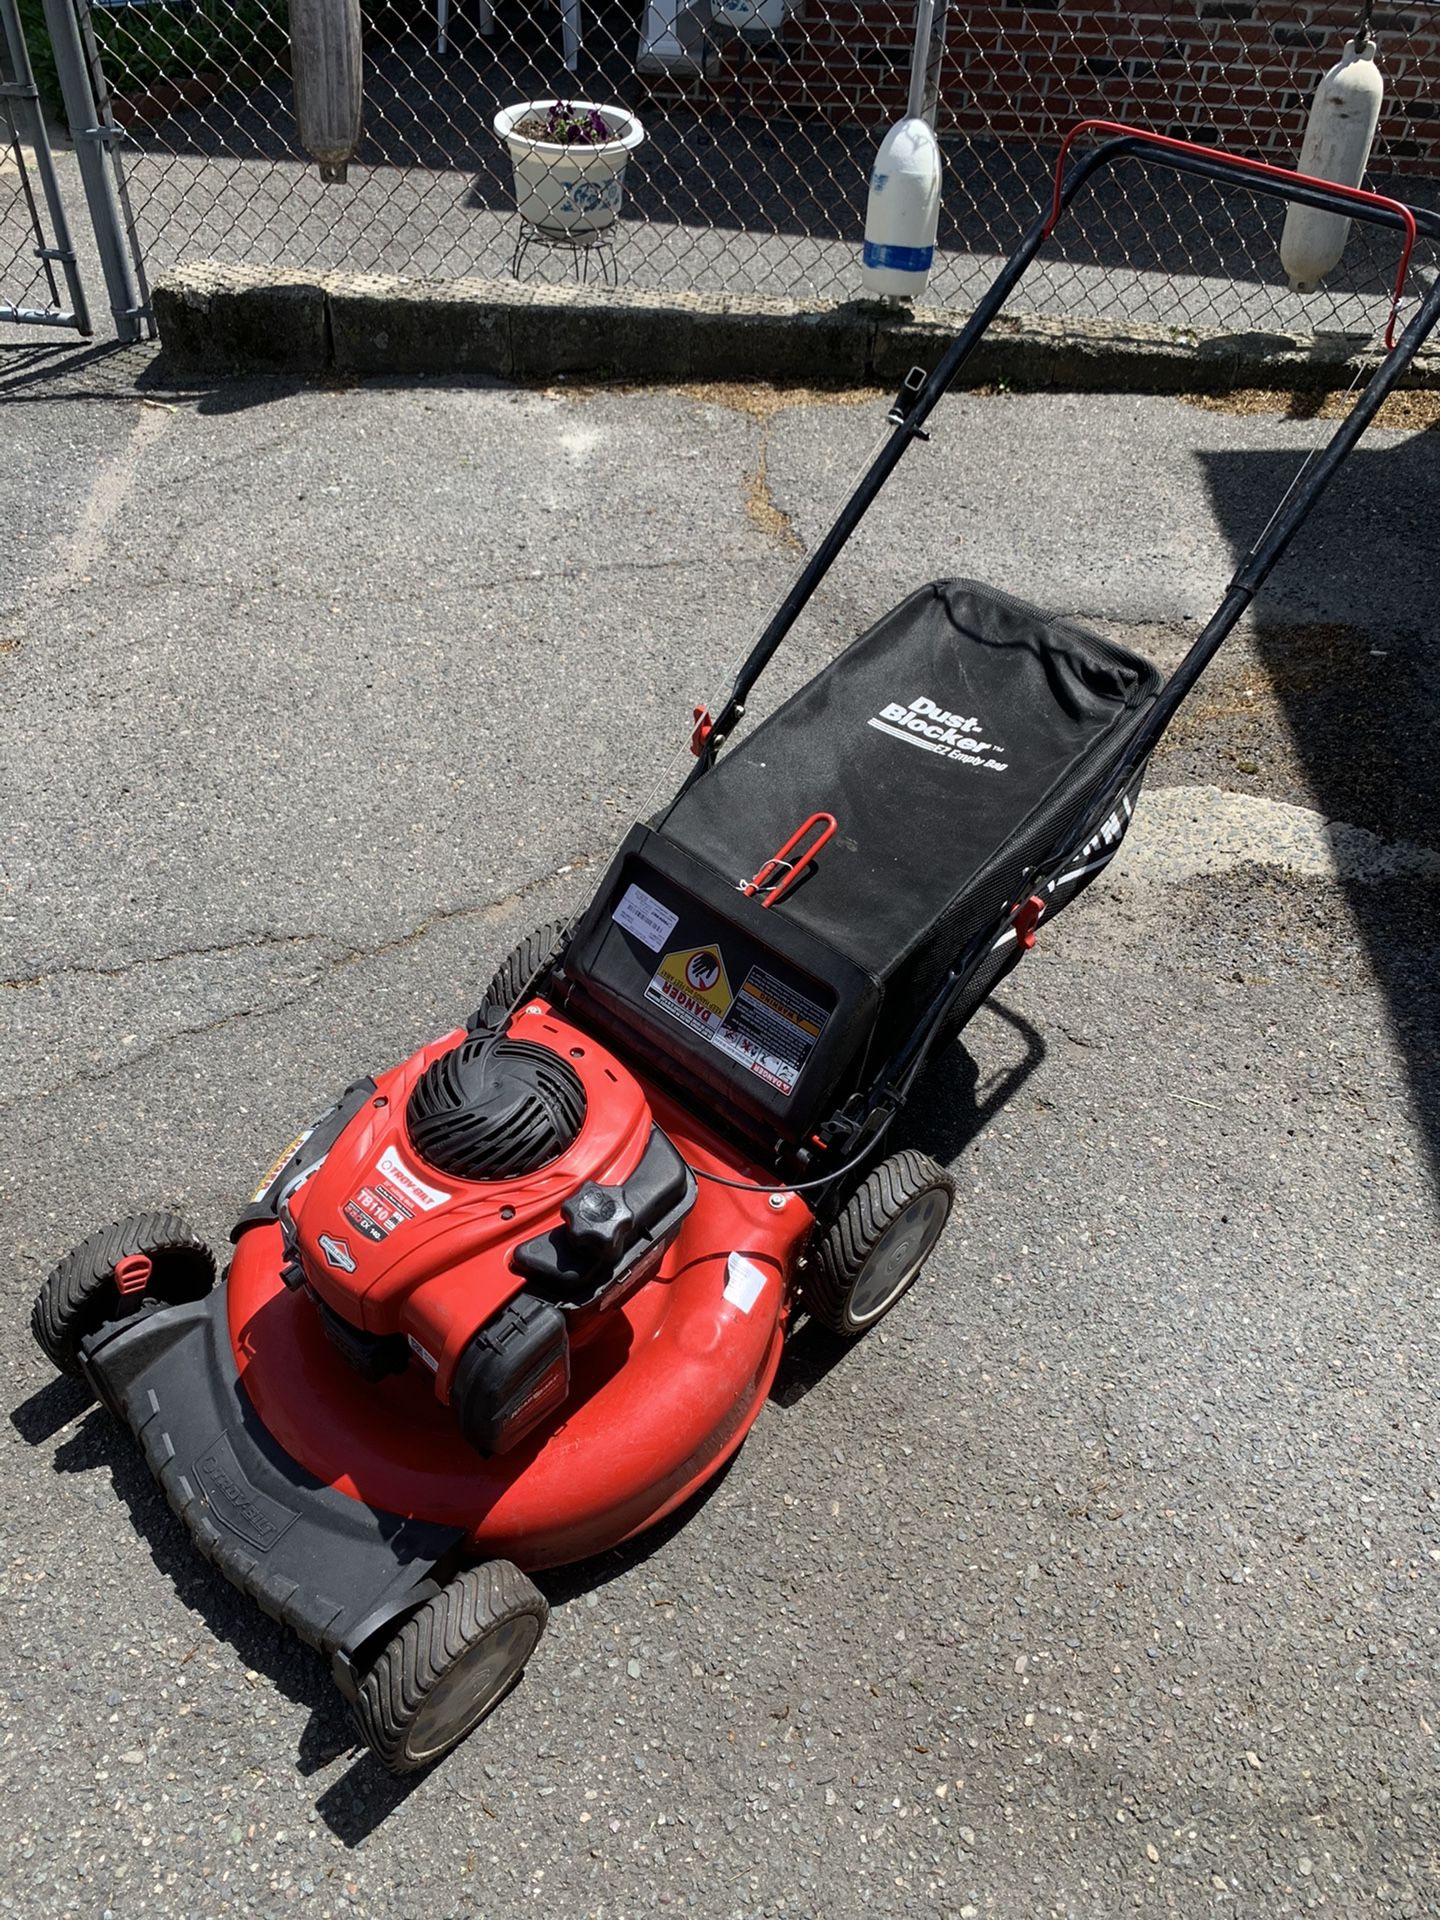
904,206
1338,137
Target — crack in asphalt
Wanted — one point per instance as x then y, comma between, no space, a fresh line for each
246,943
338,961
244,591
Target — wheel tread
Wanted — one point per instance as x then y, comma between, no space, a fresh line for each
71,1302
836,1264
519,966
434,1637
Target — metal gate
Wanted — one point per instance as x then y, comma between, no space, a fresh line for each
41,280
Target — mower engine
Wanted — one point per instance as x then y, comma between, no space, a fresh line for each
476,1211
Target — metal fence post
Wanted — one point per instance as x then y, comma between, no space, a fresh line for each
92,136
25,94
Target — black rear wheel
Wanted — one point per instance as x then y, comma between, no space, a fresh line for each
873,1253
517,970
83,1292
450,1665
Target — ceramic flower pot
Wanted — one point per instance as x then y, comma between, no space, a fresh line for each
569,189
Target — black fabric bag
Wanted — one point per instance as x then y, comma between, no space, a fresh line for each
955,742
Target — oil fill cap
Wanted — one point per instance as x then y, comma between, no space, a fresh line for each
599,1219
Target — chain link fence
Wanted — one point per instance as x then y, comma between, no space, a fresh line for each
761,120
34,286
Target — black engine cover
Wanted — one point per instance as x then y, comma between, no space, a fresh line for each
495,1109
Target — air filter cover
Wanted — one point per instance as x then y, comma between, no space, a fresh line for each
495,1109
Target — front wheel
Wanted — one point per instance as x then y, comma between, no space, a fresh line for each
153,1256
875,1250
450,1665
516,971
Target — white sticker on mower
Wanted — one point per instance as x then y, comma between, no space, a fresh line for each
744,1282
423,1353
640,914
955,736
408,1185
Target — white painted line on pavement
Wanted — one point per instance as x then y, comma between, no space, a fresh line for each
1181,833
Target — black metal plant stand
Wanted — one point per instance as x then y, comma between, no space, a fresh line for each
585,250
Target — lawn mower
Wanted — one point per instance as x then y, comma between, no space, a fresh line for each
514,1300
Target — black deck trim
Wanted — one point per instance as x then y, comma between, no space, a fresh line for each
334,1571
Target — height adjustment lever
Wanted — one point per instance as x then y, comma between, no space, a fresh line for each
907,399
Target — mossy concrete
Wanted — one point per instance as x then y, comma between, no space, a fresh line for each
227,318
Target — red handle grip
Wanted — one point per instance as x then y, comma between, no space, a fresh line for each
1361,196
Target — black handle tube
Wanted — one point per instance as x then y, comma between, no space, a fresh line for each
895,1081
885,461
1200,164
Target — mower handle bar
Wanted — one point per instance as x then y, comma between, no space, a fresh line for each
918,398
922,392
1307,188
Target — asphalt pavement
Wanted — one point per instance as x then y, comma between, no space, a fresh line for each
1103,1577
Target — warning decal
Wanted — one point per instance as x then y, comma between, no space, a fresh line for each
692,985
767,1026
771,1029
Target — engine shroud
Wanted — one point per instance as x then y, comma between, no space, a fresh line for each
665,1377
495,1109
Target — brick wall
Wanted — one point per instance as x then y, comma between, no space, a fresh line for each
1241,71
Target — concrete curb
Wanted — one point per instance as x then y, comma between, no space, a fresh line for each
216,317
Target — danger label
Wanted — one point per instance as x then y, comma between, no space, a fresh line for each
692,985
768,1027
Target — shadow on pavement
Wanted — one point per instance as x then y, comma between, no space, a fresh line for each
365,1795
1361,696
57,1403
950,1106
953,1103
356,1803
98,1442
122,370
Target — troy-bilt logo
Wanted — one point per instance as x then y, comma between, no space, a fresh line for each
955,736
409,1186
337,1253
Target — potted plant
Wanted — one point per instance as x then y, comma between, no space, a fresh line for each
569,158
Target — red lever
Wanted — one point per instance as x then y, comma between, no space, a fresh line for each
1360,195
826,823
1027,918
132,1274
701,732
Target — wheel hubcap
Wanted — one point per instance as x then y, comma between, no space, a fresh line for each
467,1691
898,1257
